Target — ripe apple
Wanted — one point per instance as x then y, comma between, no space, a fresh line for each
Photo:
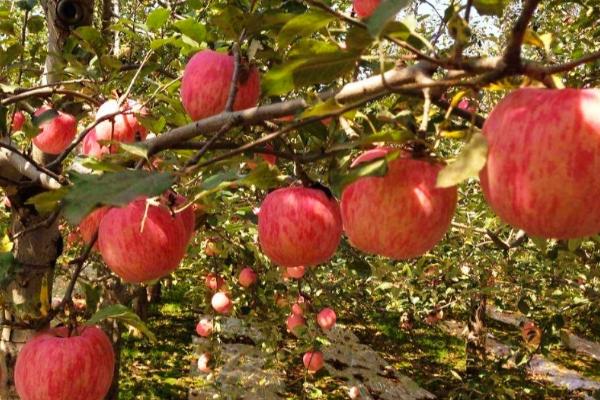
214,282
294,321
247,277
299,226
221,303
364,8
204,327
123,128
204,363
211,249
57,133
354,393
542,173
89,225
18,120
54,365
400,215
296,272
270,159
206,82
91,147
141,242
326,318
313,361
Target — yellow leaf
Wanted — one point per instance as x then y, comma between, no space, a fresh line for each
453,134
5,244
457,98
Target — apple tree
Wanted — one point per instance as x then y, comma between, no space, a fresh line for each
293,136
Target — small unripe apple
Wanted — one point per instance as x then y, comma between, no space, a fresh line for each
18,121
124,127
206,81
90,224
365,8
401,215
204,327
214,282
296,272
247,277
204,363
313,361
326,318
56,365
142,242
221,303
299,226
542,168
293,322
57,133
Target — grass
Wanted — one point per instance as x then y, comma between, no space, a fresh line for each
435,360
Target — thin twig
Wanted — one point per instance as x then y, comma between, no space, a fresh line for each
47,92
135,76
40,225
233,88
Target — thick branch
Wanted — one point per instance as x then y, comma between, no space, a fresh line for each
512,55
27,168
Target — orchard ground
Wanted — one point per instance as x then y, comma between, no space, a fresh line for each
434,359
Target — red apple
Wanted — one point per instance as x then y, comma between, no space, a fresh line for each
214,282
141,242
18,121
206,82
89,225
297,309
295,272
123,128
91,147
270,159
293,322
204,363
221,303
313,361
211,249
365,8
204,327
247,277
57,133
326,318
354,393
54,365
401,215
299,226
542,173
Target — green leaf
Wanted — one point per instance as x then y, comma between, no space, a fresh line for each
386,12
262,177
540,243
377,167
135,149
124,315
574,244
322,108
192,28
157,18
490,7
26,4
358,38
303,25
10,55
47,202
117,189
36,24
297,73
469,162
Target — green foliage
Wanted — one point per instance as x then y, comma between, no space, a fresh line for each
123,315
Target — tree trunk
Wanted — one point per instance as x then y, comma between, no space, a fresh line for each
26,287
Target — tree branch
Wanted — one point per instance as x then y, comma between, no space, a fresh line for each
47,92
28,167
512,54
